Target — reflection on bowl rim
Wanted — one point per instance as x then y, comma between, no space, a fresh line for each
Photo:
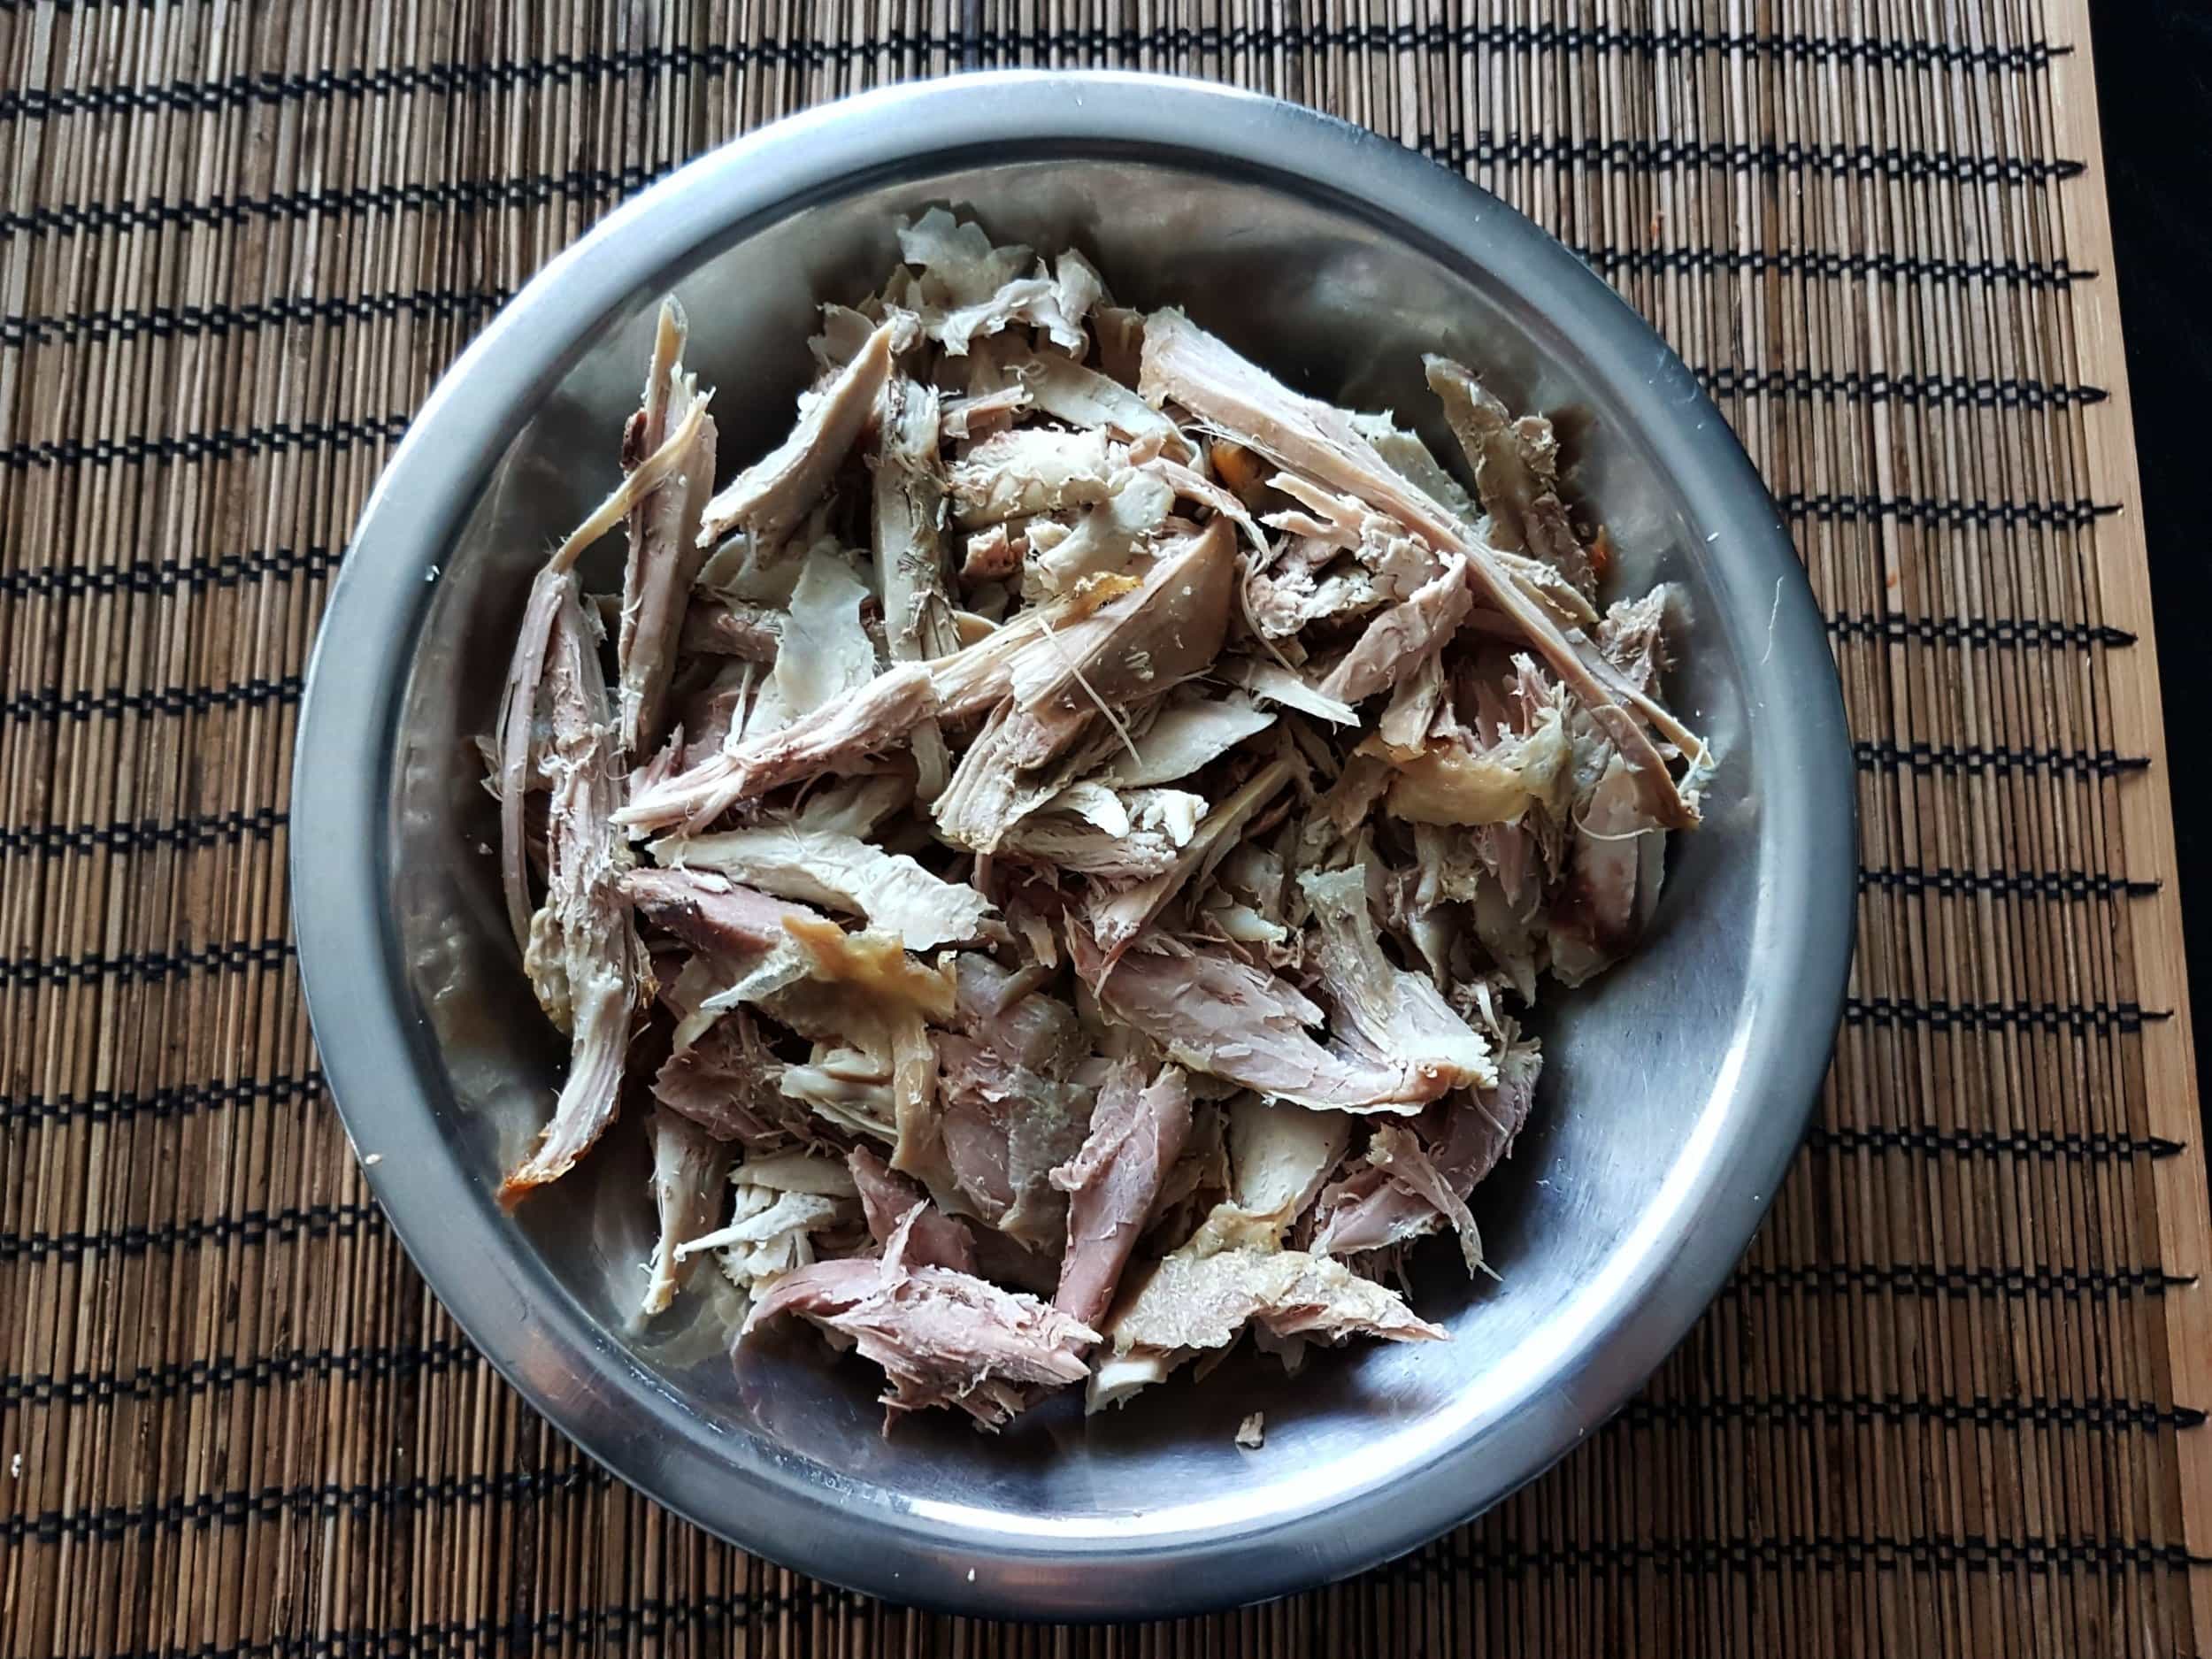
1217,1551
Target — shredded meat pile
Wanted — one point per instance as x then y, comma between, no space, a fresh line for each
1061,849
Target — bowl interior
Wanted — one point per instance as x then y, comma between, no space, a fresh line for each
1637,1088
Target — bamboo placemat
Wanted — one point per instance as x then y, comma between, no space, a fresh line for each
1950,1404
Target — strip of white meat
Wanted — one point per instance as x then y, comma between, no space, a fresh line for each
1421,1181
770,496
710,912
554,586
1110,536
959,263
1139,645
663,557
584,954
1516,471
887,1198
762,1217
1031,469
908,509
839,735
842,872
982,414
1191,731
823,653
689,1167
977,677
1474,777
1401,561
1272,682
865,990
1154,826
1416,628
1280,1154
1053,678
1194,1299
943,1338
1056,301
847,1089
1118,918
1394,1015
790,1171
1137,1131
726,1081
1067,391
1216,1013
1412,460
1186,366
844,336
994,791
1613,877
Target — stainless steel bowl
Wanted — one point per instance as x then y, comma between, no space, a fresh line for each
1676,1090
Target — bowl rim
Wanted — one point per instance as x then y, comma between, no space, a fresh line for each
379,1059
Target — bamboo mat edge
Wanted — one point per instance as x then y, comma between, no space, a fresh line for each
2123,552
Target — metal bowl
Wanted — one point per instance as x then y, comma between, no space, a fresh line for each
1676,1089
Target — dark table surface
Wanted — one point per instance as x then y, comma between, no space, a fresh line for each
2154,95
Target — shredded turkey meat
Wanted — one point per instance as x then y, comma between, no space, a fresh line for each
1060,853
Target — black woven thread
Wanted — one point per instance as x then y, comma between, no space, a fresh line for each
525,191
146,965
189,96
168,576
130,836
2048,1017
469,306
252,1227
183,1099
2027,884
649,1618
200,1375
1975,759
234,1509
1814,1410
184,322
998,45
168,700
219,445
452,80
1855,266
1999,633
186,1379
1927,391
1462,1553
1637,155
1926,1278
158,213
594,185
1460,152
1946,512
1993,1143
